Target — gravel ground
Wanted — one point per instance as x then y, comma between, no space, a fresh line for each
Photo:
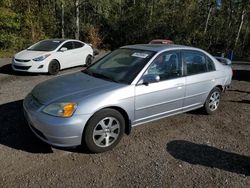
187,150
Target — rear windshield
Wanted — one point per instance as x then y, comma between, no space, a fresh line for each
45,45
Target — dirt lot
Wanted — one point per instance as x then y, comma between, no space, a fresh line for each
187,150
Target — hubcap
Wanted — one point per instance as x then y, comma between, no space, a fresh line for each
106,132
214,101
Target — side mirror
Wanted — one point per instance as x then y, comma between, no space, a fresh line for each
150,78
63,49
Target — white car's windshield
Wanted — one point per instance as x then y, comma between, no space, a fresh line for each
121,65
46,45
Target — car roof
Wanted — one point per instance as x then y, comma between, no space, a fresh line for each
157,47
161,40
62,40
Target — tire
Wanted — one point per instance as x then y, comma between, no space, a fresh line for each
88,60
104,130
213,100
54,67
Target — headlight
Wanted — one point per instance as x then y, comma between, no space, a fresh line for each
60,109
41,58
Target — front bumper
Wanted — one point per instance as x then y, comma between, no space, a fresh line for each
56,131
30,66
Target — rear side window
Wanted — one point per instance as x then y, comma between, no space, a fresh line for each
78,44
68,45
210,65
195,62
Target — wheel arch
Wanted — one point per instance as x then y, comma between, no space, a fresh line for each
220,87
128,126
57,62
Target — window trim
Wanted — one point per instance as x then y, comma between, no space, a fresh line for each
198,52
208,58
65,43
178,51
77,42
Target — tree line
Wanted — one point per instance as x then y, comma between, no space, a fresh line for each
214,25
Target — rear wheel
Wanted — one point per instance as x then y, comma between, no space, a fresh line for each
104,130
88,60
213,100
54,67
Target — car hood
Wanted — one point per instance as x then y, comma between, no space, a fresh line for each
71,84
29,54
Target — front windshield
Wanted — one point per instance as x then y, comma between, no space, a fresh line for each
45,45
121,65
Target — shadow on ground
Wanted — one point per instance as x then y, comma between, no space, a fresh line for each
242,101
208,156
240,91
15,132
7,69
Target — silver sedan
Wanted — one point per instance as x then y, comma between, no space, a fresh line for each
130,86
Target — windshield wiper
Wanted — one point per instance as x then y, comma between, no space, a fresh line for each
86,71
98,75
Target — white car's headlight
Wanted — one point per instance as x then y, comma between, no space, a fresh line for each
41,58
60,109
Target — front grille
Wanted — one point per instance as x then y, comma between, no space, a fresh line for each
22,60
39,133
33,103
22,67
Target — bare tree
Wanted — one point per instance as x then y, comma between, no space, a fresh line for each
77,32
62,18
208,17
240,27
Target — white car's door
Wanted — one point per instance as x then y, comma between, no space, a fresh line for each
80,53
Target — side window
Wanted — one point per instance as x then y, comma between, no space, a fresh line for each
195,62
68,45
210,65
167,65
78,44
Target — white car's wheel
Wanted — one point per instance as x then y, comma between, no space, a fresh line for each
54,67
89,60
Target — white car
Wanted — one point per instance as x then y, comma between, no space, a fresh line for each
52,55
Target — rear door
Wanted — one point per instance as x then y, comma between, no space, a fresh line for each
200,78
165,97
66,58
80,53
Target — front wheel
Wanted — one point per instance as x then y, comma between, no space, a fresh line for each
213,100
104,130
54,67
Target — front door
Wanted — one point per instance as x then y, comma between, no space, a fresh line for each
155,100
67,58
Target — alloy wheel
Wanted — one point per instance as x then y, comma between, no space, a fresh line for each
106,132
